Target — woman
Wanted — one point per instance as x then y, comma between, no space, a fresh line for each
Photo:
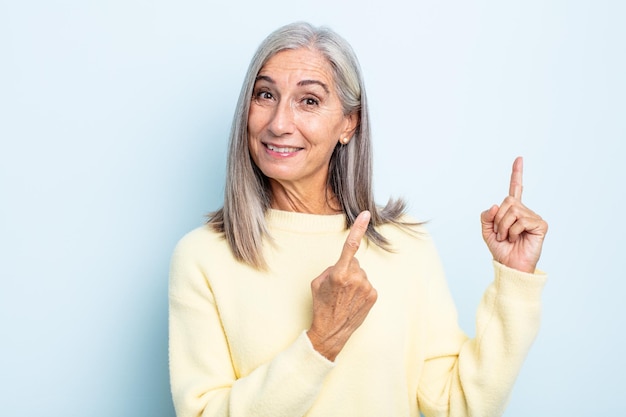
302,297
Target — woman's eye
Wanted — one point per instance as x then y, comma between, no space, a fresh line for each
264,95
309,101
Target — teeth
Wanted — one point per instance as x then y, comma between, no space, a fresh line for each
281,150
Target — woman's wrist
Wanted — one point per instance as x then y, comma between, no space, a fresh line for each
327,347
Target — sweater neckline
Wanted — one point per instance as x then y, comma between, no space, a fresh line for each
305,222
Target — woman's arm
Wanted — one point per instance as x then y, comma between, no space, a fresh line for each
203,378
474,377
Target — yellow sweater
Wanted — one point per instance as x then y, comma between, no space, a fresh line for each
238,345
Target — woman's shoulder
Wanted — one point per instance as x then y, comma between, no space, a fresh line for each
405,224
201,240
405,231
410,247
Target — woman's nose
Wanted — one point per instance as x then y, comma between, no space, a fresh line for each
282,122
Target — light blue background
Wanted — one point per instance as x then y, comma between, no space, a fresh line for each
113,124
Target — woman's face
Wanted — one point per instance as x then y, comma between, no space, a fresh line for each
296,119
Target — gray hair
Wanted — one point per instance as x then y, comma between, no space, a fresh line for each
247,194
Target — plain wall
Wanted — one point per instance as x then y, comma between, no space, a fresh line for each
114,118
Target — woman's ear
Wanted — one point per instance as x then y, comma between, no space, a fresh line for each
352,121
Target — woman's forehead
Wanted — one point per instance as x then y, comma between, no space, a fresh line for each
298,66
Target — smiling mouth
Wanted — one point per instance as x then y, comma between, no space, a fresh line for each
281,149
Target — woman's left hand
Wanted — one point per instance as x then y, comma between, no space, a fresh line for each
513,233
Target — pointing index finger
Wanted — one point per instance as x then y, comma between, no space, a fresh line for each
353,241
515,188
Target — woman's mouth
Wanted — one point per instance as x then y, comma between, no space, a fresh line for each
285,150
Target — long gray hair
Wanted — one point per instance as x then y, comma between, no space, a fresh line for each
247,193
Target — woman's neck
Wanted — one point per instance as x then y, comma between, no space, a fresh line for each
290,198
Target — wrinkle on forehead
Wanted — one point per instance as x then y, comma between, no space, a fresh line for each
299,67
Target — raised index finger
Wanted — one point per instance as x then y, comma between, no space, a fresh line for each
353,241
515,189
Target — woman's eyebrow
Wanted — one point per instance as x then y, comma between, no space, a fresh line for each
311,82
300,83
265,78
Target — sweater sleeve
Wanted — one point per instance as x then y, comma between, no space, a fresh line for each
474,377
203,379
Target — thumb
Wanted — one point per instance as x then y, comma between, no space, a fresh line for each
487,217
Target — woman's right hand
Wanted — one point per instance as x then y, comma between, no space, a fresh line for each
342,296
